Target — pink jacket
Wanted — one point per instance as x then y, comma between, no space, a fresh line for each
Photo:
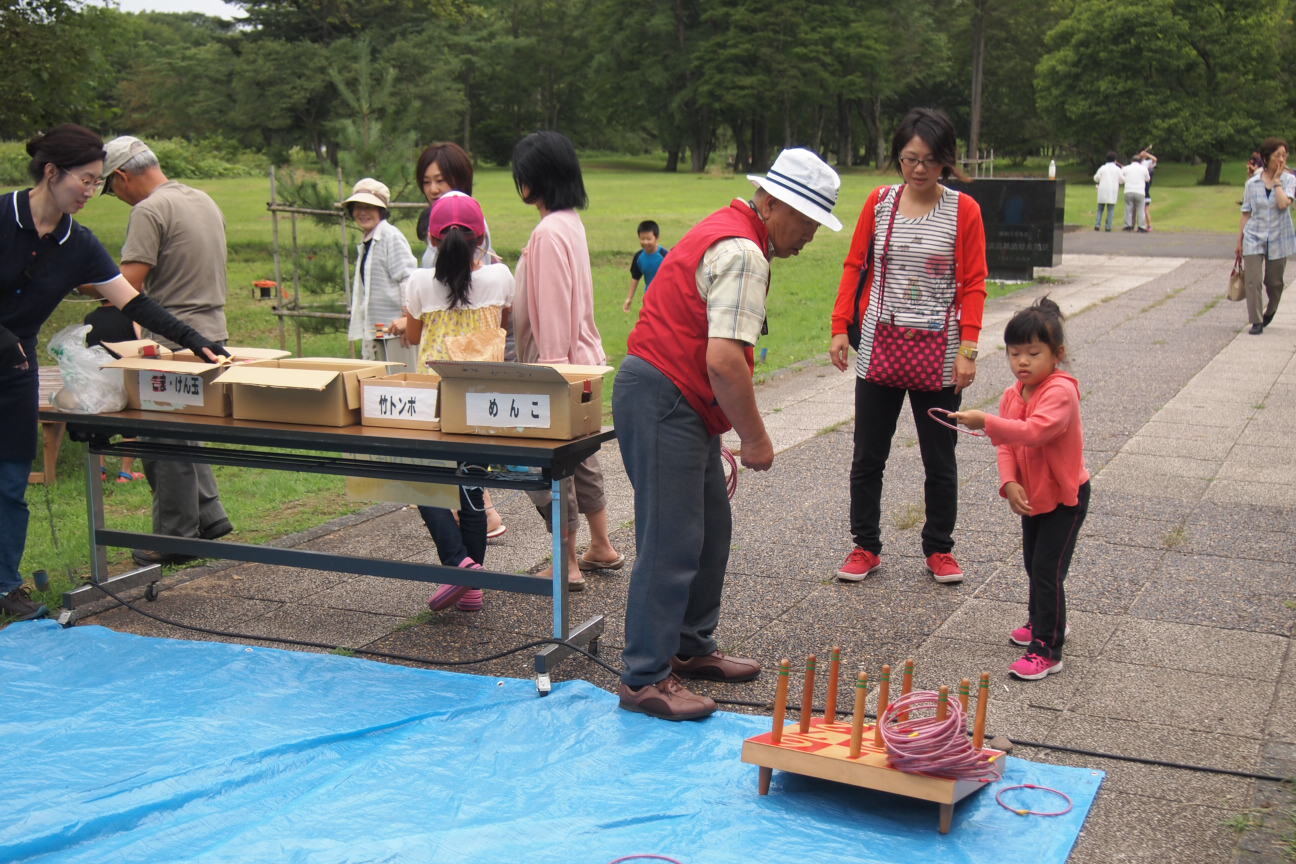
1041,442
553,310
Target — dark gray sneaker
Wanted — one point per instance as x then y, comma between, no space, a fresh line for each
18,605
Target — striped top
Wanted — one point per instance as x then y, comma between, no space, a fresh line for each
920,284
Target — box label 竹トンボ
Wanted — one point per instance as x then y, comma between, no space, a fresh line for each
160,391
400,403
508,410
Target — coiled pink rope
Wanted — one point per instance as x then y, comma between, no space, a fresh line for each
925,745
731,479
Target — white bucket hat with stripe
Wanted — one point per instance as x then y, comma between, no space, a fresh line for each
803,181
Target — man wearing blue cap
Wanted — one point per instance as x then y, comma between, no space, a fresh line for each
687,379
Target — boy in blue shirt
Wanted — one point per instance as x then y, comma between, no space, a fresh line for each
645,262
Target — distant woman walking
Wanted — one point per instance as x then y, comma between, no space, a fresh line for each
1267,238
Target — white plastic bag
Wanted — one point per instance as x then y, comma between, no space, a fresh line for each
88,388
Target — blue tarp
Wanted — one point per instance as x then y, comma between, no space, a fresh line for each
125,748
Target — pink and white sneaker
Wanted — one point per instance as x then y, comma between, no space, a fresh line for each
1033,667
449,595
1023,636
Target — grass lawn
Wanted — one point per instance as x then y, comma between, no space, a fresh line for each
622,192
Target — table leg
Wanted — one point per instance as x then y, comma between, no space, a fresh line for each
53,435
946,817
766,774
95,508
558,524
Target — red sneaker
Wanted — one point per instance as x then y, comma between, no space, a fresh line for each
858,564
944,568
1033,667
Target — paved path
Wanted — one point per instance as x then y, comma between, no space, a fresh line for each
1180,593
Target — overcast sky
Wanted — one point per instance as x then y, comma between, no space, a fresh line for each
207,7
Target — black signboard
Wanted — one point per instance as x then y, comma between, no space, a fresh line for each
1023,223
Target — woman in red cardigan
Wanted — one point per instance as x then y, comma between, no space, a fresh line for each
915,276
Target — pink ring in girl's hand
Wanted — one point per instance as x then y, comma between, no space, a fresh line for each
933,411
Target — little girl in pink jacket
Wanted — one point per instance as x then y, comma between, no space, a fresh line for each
1042,474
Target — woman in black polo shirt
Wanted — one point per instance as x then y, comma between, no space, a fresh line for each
43,256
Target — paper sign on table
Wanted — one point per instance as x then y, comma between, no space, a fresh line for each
400,403
160,389
508,410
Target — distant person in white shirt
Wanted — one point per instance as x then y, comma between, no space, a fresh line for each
1108,181
1134,177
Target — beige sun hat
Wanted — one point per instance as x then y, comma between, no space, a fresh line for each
370,191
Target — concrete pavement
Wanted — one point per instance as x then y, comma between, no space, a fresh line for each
1180,593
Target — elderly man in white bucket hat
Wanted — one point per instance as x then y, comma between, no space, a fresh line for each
687,379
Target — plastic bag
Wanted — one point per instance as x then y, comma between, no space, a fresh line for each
87,387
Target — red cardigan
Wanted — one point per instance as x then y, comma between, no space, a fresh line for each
969,267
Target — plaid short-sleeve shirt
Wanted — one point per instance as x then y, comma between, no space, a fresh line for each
733,279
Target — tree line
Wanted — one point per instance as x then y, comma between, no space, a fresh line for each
1194,79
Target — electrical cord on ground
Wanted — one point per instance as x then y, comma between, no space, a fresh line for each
281,640
740,703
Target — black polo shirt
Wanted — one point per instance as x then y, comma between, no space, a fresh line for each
36,273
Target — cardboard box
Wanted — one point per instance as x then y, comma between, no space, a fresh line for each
241,354
521,400
406,400
138,348
181,385
318,391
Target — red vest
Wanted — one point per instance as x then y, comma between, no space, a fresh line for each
672,330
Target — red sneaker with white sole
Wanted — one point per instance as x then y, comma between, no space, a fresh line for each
858,564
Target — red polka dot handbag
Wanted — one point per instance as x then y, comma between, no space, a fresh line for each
908,358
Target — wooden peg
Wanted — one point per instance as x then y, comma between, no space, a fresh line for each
906,685
942,703
983,696
965,690
807,695
857,720
884,697
780,700
834,669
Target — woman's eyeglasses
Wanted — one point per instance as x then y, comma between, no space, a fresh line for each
930,163
90,184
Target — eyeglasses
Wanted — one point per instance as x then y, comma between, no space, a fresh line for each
93,184
930,163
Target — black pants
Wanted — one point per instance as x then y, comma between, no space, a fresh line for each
1047,543
876,410
465,538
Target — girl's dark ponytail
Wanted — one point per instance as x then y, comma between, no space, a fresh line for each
455,254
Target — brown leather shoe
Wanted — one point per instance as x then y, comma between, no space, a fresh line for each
716,666
668,699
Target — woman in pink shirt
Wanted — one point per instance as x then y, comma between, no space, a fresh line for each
1041,473
553,316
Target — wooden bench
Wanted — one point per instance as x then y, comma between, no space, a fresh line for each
51,379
